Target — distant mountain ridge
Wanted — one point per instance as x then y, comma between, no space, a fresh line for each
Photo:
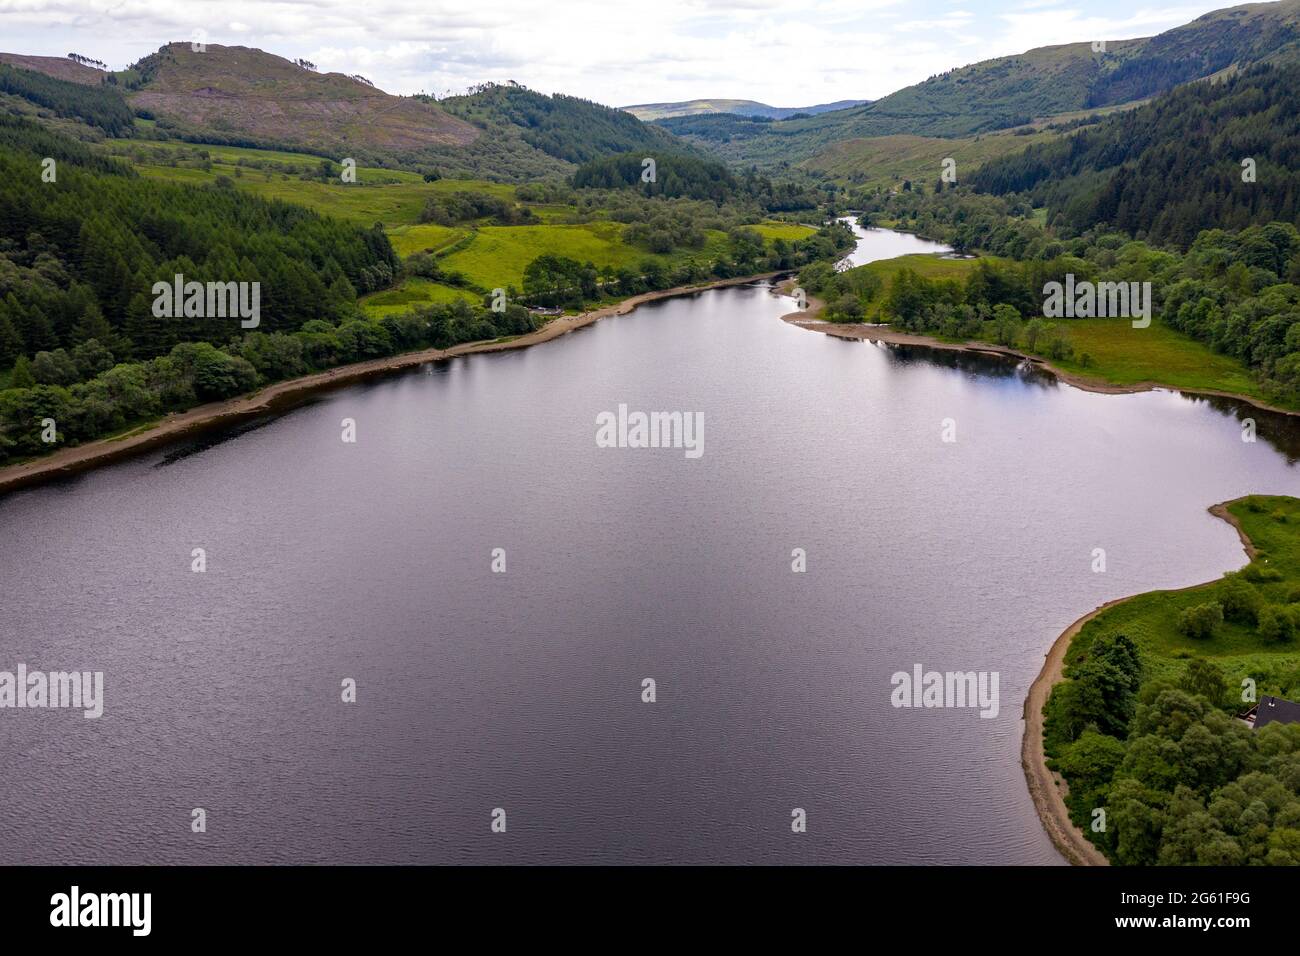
650,112
242,96
1013,90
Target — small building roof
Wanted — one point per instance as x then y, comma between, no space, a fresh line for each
1275,710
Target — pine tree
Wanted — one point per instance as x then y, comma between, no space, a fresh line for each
37,330
22,374
149,336
11,343
93,325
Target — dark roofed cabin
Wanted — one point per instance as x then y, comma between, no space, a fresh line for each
1272,710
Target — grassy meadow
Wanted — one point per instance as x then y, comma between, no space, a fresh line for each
1273,526
488,256
888,160
1123,355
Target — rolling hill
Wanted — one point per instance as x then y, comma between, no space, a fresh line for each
237,96
564,127
1013,90
884,160
92,109
239,92
650,112
61,68
1173,167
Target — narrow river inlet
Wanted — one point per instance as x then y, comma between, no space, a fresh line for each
373,562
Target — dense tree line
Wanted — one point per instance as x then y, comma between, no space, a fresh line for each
1160,753
119,395
1238,292
1172,168
781,195
656,224
846,293
715,128
632,208
675,174
1184,783
100,106
80,254
680,176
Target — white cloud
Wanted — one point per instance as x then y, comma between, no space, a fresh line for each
784,52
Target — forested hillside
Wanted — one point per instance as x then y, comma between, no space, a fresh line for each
565,127
1169,169
103,107
78,256
1235,291
242,97
1010,91
677,175
1244,35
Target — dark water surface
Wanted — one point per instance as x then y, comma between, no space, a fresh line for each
522,690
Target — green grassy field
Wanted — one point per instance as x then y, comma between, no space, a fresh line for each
1123,355
926,264
1117,353
789,231
498,255
887,160
551,212
393,197
394,204
413,292
424,237
254,161
1151,620
494,257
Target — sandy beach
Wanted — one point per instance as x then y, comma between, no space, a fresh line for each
282,395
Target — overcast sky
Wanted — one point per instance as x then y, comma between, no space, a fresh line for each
781,52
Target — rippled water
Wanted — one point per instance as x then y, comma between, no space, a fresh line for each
522,690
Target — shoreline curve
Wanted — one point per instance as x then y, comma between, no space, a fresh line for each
1045,785
808,319
280,396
